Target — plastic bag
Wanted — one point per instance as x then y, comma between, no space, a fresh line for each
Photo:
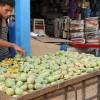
77,35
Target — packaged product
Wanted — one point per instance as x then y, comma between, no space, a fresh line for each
77,35
78,40
92,38
91,22
77,26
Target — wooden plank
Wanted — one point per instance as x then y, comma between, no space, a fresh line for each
39,48
4,96
83,90
98,98
66,92
91,91
51,40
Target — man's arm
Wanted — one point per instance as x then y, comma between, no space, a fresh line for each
17,48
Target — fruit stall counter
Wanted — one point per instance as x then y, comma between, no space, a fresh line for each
59,76
84,87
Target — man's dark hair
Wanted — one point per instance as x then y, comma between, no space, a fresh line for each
7,2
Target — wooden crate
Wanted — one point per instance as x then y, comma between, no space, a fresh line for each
84,87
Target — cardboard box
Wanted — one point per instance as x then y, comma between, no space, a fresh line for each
44,45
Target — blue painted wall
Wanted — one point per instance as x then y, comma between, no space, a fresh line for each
12,34
22,24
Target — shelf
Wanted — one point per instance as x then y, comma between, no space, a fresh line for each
38,24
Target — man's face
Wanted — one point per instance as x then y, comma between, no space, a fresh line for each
5,11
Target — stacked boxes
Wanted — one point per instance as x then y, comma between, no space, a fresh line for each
91,30
77,31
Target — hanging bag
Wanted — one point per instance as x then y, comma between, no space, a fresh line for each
72,6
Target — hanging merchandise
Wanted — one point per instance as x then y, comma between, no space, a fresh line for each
88,12
67,2
72,6
50,17
85,8
83,13
80,3
57,27
87,3
61,27
94,5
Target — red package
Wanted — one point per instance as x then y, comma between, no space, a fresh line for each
78,40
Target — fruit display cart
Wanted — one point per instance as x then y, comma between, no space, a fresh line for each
64,90
79,83
61,90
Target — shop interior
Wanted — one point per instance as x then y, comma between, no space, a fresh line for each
75,20
50,10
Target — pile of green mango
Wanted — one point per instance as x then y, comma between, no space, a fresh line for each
20,76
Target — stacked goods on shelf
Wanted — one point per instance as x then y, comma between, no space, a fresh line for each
77,31
91,30
20,76
61,27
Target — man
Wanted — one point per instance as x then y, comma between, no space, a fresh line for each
6,7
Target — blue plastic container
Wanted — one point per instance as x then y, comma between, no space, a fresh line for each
63,47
